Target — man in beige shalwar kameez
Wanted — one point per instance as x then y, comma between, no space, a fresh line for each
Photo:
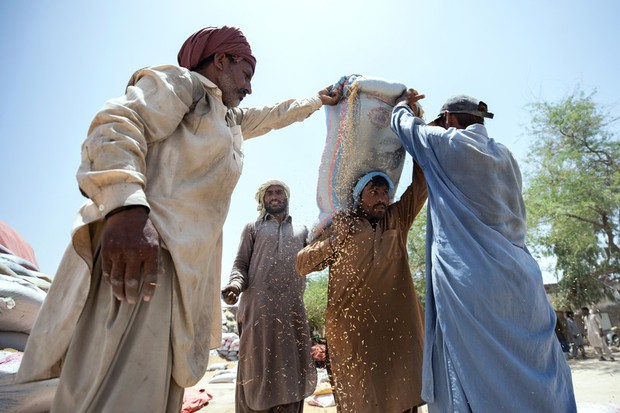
374,320
275,371
135,305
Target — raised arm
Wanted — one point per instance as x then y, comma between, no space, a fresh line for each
414,197
314,257
321,253
258,121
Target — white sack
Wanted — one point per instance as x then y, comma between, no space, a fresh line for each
359,140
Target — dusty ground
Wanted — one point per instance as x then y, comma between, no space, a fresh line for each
596,383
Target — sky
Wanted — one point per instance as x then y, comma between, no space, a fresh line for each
63,59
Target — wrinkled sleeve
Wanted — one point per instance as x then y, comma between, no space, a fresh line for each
113,169
316,256
414,134
258,121
239,274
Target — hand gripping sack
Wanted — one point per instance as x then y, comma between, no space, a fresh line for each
359,140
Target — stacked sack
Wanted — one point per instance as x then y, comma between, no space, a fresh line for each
230,346
229,324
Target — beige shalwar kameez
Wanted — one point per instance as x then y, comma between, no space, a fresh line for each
169,143
374,321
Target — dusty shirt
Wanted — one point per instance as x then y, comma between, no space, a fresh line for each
171,144
374,321
275,364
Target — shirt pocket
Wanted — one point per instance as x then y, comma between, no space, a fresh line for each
237,136
391,246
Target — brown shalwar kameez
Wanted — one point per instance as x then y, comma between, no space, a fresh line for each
275,370
374,320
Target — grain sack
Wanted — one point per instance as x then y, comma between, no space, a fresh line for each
359,140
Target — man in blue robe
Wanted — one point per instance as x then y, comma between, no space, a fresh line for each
490,344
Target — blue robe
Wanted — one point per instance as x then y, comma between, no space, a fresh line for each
489,327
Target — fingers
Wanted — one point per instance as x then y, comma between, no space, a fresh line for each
116,278
132,277
414,96
131,255
403,96
230,298
230,295
331,95
152,270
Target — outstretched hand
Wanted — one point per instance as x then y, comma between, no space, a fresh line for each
331,95
131,255
412,97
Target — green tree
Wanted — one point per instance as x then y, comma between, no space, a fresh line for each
315,299
573,195
416,245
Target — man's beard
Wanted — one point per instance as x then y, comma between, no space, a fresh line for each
277,209
377,216
230,93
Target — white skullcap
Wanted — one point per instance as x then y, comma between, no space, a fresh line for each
260,195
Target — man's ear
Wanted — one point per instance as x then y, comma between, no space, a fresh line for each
220,60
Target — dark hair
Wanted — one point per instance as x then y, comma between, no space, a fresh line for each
379,180
208,60
466,119
569,313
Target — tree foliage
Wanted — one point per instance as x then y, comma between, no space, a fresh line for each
315,300
573,195
416,245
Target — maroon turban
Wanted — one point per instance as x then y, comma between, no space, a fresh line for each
210,40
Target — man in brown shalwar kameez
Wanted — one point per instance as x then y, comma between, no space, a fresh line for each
374,321
275,371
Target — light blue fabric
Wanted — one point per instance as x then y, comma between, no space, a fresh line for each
363,181
490,344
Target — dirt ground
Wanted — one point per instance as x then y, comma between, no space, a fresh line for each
596,383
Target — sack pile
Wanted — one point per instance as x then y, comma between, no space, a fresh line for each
230,346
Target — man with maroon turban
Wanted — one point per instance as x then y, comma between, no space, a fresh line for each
134,307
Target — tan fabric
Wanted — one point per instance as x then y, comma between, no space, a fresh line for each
170,130
275,363
593,324
108,350
374,321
